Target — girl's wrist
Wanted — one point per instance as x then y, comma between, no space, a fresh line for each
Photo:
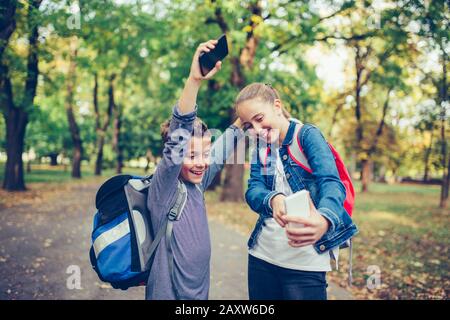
325,224
238,123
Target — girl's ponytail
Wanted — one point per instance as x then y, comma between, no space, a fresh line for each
263,91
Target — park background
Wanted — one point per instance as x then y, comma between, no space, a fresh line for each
84,86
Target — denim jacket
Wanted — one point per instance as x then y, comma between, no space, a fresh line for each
325,187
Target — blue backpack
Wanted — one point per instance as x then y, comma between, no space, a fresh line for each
123,240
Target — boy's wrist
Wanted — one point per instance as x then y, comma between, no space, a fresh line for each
193,81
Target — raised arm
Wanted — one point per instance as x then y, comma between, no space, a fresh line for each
188,97
221,150
165,179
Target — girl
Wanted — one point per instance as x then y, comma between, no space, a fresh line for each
186,158
289,262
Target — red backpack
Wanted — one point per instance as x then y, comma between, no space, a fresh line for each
296,153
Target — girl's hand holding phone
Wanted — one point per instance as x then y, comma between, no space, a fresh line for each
315,226
278,209
195,73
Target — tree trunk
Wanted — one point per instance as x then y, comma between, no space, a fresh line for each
360,58
443,99
73,126
16,117
427,158
365,175
334,119
233,189
149,156
233,184
445,188
53,159
101,129
28,162
76,160
99,159
216,182
367,164
15,133
116,139
359,127
77,143
359,69
7,23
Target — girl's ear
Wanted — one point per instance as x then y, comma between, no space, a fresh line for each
278,106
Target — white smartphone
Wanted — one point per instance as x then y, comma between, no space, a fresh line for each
297,204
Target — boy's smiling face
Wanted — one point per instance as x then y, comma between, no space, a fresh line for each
196,160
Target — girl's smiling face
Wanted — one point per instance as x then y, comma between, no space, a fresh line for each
262,118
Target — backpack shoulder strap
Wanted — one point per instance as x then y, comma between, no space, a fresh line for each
175,212
173,215
295,149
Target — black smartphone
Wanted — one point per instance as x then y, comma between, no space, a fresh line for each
208,60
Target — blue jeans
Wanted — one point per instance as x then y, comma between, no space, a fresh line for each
270,282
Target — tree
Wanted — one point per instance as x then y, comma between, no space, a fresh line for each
434,22
117,142
73,126
16,107
283,32
427,126
378,53
101,128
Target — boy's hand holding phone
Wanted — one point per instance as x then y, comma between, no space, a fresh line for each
195,72
208,60
188,97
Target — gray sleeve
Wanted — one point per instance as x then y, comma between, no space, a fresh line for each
221,150
163,188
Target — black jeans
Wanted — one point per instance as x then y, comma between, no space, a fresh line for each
270,282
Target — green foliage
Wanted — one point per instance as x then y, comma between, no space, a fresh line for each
149,47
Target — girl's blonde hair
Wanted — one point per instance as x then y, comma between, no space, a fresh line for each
263,91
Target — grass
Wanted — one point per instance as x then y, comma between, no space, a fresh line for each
44,173
402,232
406,235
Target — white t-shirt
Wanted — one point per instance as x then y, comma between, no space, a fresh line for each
272,244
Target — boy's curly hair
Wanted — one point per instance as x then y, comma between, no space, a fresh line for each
199,129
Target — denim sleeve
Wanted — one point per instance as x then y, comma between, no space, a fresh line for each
259,194
331,190
221,150
163,188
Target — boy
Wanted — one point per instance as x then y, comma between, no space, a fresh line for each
186,158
